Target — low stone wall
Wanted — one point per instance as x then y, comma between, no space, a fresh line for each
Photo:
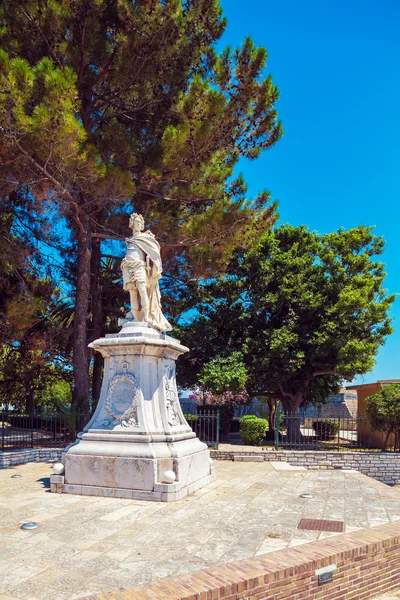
362,564
20,457
383,466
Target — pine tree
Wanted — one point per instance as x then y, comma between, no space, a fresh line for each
109,105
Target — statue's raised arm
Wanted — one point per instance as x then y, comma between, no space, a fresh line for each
141,271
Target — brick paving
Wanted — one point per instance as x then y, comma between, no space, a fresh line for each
88,545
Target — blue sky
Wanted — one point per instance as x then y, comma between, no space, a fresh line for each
336,64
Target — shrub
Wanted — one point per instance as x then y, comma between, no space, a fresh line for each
191,419
252,429
326,429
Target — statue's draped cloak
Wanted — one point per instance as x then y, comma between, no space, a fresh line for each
146,242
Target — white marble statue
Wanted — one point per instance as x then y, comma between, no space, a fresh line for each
138,444
141,270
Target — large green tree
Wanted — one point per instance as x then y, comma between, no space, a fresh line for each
107,105
305,310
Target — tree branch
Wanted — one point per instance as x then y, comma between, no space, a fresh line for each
318,373
83,63
59,186
39,29
108,236
291,396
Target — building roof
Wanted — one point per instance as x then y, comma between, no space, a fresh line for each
381,382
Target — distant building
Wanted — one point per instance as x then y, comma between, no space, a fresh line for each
341,406
370,437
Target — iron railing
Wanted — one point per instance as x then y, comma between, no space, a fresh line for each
44,430
47,430
206,425
342,433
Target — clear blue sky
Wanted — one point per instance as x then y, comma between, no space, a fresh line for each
336,63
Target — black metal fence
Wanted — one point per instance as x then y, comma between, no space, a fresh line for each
302,431
206,425
345,433
47,430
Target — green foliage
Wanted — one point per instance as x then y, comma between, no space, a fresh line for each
224,374
32,345
327,308
56,394
190,417
108,106
252,430
383,410
326,429
128,100
305,311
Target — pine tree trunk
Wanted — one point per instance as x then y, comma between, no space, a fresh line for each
97,329
80,344
27,378
29,396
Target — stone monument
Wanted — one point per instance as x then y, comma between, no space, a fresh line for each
137,444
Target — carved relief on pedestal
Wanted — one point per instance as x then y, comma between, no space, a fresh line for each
122,400
171,397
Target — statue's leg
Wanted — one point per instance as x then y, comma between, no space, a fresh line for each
135,309
144,301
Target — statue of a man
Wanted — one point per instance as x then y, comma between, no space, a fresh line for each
141,271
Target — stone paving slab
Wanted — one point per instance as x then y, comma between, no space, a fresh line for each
87,545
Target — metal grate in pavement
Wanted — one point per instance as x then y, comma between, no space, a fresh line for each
321,525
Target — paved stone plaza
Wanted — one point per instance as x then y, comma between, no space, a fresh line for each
89,544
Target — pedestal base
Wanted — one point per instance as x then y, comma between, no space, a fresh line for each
135,469
138,444
163,492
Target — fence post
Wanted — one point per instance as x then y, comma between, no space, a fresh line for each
217,432
277,419
32,430
2,429
338,435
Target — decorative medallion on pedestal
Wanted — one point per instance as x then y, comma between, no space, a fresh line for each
122,399
138,443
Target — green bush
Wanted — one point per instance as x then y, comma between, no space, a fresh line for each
252,429
326,429
191,419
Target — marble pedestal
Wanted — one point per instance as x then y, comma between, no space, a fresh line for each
137,444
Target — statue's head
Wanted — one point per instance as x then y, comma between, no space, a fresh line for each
136,222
